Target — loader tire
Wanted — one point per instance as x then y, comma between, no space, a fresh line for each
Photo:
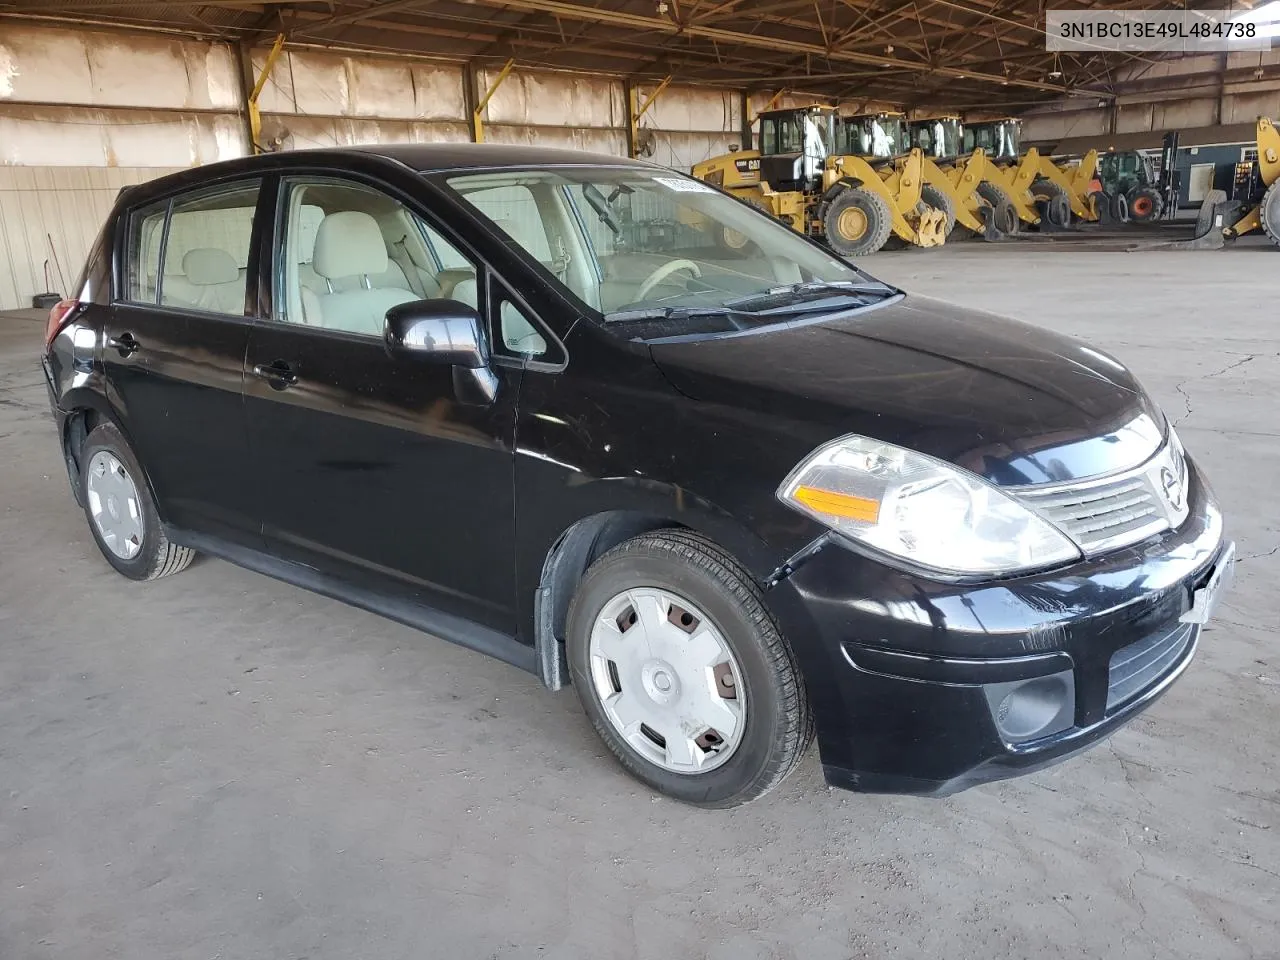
940,201
857,222
1145,205
1052,202
1101,204
1002,215
1269,213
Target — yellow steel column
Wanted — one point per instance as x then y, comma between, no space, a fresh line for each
637,111
255,116
477,114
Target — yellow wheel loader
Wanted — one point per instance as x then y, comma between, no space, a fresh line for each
799,176
973,185
1256,190
1058,192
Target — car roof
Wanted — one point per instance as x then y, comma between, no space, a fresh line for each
422,157
429,157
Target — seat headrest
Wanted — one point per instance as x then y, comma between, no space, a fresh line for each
349,244
206,266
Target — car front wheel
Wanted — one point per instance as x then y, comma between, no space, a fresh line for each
121,513
683,672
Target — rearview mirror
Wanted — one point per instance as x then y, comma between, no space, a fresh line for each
444,332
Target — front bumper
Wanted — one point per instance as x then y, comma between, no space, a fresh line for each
925,687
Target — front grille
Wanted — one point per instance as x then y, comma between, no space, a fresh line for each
1111,512
1136,667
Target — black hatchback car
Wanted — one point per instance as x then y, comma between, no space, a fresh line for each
614,427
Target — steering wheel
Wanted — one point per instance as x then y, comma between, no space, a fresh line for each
664,271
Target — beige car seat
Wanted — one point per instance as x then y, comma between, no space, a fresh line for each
350,245
210,280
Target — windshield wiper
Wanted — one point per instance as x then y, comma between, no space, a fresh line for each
661,313
786,291
835,286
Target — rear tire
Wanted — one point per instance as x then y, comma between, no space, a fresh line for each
940,201
1052,200
1269,212
680,570
121,512
1145,205
1003,215
857,222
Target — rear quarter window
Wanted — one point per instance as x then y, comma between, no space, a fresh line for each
142,253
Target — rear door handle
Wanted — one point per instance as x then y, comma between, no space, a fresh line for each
126,344
278,373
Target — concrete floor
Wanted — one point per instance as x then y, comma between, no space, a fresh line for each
221,766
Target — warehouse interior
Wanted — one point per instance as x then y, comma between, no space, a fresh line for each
223,765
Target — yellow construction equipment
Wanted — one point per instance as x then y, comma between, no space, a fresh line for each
1257,189
801,176
1058,192
973,184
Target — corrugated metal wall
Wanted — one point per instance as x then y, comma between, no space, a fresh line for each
84,111
1173,94
49,217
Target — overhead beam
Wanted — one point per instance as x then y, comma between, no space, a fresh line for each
572,11
74,6
355,16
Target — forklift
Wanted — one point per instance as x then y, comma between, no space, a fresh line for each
1128,189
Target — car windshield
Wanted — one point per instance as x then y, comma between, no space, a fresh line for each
635,244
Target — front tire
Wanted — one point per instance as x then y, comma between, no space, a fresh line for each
1053,202
1269,213
857,222
1003,217
121,512
683,673
1145,205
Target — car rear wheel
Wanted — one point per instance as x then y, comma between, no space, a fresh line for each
122,516
683,672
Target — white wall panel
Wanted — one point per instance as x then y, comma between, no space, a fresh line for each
613,142
554,99
324,84
314,132
46,65
694,109
67,136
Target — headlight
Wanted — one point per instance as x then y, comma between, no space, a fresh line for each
925,511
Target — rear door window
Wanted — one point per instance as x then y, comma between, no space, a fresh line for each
192,252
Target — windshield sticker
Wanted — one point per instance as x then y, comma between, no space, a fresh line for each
681,185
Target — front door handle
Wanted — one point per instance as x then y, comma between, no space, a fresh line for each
278,373
126,344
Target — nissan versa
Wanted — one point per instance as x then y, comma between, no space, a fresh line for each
613,426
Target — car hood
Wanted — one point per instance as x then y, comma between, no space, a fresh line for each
1011,402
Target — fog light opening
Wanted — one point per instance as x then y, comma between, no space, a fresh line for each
1028,709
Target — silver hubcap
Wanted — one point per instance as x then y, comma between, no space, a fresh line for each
667,680
114,505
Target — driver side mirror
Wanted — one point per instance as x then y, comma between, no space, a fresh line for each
445,332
